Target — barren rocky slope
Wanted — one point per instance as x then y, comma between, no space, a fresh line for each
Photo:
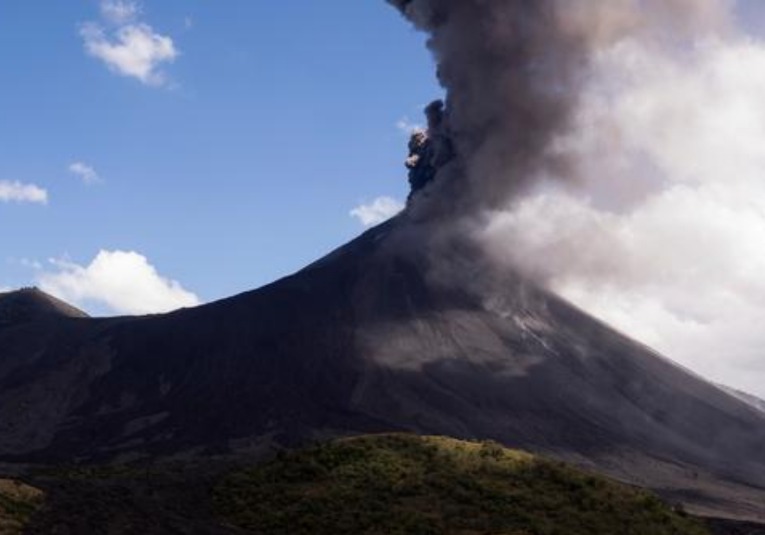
378,336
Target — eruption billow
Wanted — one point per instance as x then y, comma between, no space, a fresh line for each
509,74
429,150
612,151
513,72
417,326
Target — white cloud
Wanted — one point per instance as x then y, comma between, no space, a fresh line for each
124,281
119,11
408,126
662,230
131,49
379,210
15,191
31,264
85,172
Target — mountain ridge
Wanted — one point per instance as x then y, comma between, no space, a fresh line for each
32,304
755,401
381,335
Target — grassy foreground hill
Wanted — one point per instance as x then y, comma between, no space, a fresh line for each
374,485
403,484
17,504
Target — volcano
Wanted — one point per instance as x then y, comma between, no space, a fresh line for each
31,304
378,336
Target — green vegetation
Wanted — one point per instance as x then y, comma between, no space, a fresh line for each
373,485
17,504
402,484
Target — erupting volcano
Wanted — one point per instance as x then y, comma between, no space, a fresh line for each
413,326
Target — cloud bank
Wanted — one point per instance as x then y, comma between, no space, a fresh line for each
15,191
86,173
123,281
130,48
379,210
119,11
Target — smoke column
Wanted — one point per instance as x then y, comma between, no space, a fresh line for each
514,70
613,150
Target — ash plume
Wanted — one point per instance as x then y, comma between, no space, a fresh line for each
513,72
611,150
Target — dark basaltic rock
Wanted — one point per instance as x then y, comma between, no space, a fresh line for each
31,304
379,336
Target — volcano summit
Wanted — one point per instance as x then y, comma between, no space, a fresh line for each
411,327
369,339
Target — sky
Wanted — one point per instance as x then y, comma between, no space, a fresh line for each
221,148
155,155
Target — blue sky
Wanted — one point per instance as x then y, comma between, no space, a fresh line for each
156,154
233,160
225,147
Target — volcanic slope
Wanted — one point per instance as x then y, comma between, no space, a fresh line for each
31,304
754,401
381,335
